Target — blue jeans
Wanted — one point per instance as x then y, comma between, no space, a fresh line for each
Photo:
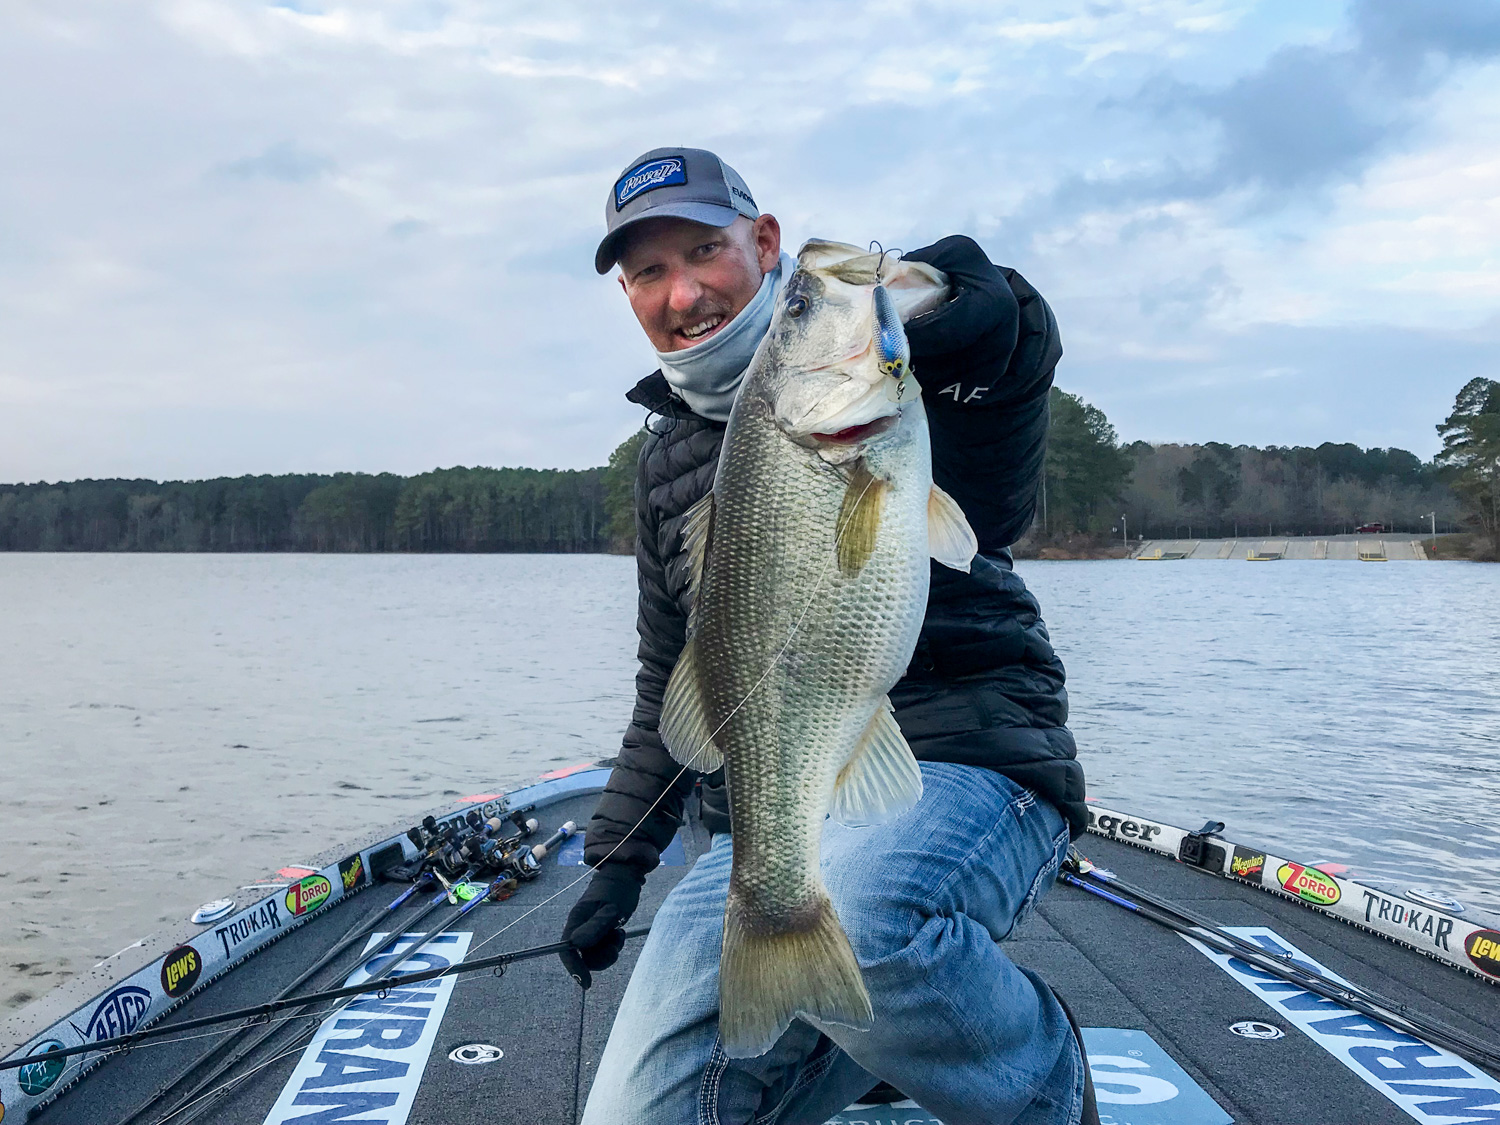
924,899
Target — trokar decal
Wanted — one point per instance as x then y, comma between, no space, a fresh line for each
39,1077
307,894
1308,884
266,916
352,873
117,1014
1247,865
1422,923
180,970
1483,948
1431,1085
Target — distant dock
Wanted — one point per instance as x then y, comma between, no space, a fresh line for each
1343,548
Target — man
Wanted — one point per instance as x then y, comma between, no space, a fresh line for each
926,898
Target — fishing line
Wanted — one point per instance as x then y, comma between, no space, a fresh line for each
806,609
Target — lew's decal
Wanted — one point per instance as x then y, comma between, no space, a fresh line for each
1308,884
1247,865
1483,948
352,872
180,970
307,894
648,177
366,1060
1424,923
1118,827
38,1077
117,1014
263,917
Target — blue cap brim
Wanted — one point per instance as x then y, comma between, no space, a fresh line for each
709,214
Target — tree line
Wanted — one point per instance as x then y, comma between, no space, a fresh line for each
1212,490
458,509
1090,482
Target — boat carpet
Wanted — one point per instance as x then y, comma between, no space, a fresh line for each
1116,969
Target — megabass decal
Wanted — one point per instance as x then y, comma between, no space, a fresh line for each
39,1077
266,916
366,1060
1424,923
1431,1085
1308,883
1247,865
352,872
117,1014
307,894
1117,827
180,970
648,177
1483,948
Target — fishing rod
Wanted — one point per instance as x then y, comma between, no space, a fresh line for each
355,935
197,1100
506,859
449,846
271,1007
1110,887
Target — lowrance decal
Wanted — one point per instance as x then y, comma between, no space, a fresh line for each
1430,1085
367,1059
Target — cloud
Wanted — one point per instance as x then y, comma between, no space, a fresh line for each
251,237
283,161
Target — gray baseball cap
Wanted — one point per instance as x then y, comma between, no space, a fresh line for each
680,183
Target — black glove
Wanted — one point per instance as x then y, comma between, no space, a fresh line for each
961,349
595,924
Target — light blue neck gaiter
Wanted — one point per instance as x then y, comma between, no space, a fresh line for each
708,375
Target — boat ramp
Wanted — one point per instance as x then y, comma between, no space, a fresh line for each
1344,548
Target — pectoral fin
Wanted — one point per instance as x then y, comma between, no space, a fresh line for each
684,720
881,779
859,519
697,530
950,539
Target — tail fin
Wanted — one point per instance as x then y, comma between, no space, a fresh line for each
765,979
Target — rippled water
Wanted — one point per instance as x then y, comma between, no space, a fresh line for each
174,726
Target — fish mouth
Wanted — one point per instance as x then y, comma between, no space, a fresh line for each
852,435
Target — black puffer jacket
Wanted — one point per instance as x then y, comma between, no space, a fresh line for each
984,687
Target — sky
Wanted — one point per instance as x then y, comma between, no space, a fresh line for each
248,237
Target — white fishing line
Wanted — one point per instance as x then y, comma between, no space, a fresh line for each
801,617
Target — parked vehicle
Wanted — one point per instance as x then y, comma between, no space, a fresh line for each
1370,529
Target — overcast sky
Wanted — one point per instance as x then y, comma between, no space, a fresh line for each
244,237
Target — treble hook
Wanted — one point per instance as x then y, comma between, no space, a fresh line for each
874,245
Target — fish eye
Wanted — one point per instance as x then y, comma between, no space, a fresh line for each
796,306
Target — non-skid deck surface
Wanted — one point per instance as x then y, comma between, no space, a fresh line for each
1116,969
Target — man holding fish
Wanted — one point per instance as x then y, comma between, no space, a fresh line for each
833,639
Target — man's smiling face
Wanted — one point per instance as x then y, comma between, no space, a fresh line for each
686,281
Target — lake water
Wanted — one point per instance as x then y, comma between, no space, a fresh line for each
174,726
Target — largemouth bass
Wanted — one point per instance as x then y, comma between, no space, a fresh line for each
810,569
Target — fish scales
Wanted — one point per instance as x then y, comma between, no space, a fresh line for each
773,586
810,586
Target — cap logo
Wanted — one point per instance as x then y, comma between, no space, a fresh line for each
653,174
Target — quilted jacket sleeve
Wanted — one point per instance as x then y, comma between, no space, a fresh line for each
642,805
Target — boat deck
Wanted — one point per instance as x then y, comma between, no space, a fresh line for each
1117,969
